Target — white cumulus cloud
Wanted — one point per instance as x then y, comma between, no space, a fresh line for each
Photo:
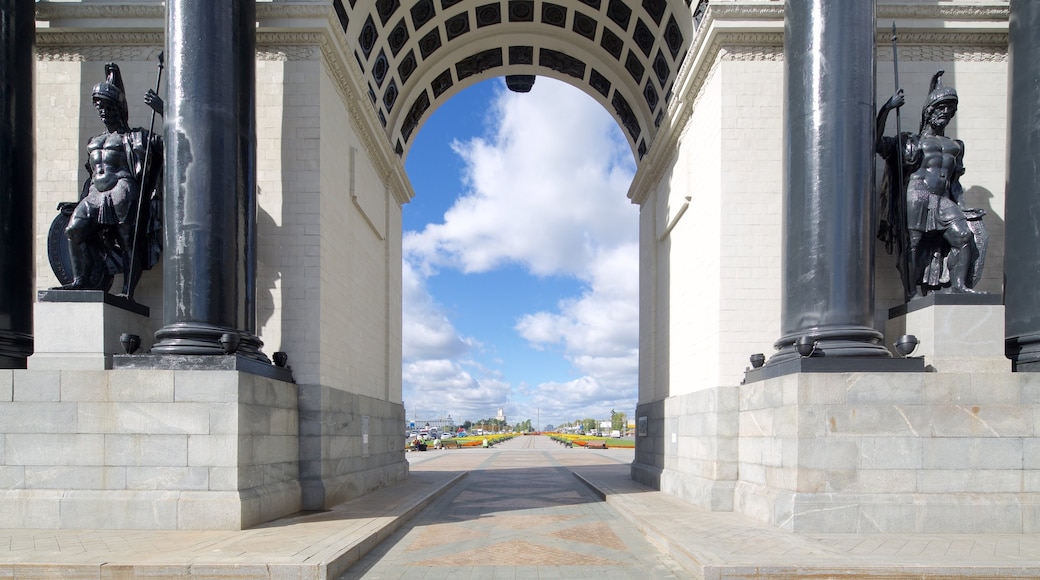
544,189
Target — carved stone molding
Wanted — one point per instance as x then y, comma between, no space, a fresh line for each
752,53
941,53
286,53
288,46
117,53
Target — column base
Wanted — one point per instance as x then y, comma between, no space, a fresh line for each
15,348
221,362
192,338
831,342
1024,352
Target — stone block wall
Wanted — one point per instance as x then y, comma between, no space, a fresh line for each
891,452
339,460
690,449
146,449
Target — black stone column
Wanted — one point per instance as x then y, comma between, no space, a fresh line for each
209,260
828,195
17,151
1022,257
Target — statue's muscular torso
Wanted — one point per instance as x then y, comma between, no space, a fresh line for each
940,164
107,159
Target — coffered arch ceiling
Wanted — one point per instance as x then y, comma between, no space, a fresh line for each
417,54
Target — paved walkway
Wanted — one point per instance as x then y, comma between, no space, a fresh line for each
520,513
512,511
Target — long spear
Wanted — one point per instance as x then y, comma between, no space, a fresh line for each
904,254
140,195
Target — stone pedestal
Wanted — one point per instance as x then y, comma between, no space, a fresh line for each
147,449
958,333
80,329
953,453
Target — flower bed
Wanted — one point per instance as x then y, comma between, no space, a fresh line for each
583,441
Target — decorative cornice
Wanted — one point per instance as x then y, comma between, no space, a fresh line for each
95,53
945,53
46,37
993,10
743,11
287,46
57,10
948,38
46,10
946,11
281,10
286,53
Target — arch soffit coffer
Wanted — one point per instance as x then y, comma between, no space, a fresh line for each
416,55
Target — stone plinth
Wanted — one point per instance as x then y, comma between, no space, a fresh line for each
950,453
958,332
80,329
146,449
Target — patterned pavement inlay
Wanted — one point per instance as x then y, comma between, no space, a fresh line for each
517,553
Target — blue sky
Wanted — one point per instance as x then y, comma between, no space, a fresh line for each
520,270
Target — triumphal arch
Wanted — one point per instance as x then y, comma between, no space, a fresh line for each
268,375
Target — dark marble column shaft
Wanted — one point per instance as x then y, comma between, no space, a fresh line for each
828,197
209,260
17,151
1022,258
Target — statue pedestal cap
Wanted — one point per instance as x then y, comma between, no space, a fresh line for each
958,332
80,329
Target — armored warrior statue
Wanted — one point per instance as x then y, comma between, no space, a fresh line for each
941,242
115,226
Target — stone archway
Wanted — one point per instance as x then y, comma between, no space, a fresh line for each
341,87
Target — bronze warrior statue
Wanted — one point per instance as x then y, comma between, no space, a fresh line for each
941,242
115,226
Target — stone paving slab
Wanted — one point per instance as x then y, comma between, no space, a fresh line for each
315,546
724,545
